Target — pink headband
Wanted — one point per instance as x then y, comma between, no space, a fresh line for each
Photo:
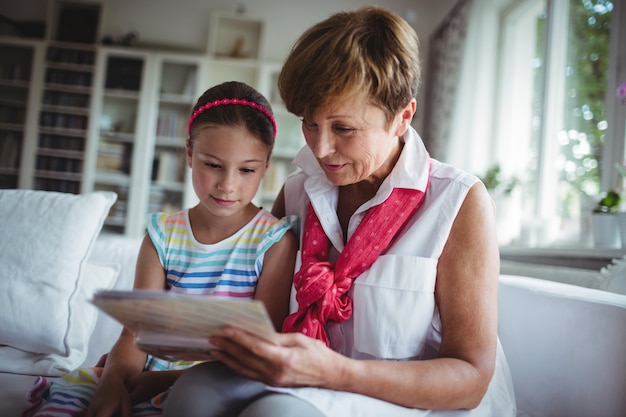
237,101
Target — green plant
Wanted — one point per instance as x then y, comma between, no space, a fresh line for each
494,181
609,203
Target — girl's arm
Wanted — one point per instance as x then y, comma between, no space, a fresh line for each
125,360
466,296
274,286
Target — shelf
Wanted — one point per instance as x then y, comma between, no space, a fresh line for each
62,131
8,171
112,178
117,136
15,127
61,153
81,111
68,66
68,87
170,142
121,94
168,186
59,175
237,36
14,83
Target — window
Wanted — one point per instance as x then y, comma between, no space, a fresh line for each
558,124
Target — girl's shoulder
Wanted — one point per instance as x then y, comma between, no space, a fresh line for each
265,221
162,220
267,227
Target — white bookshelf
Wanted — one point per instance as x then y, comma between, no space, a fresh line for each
118,120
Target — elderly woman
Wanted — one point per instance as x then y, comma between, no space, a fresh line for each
395,307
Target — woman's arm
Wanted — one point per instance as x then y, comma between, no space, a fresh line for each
278,209
466,295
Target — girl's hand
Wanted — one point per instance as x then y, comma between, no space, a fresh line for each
111,399
297,360
146,385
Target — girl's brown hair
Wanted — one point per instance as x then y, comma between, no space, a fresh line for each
255,121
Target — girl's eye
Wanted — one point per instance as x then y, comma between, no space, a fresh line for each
247,170
212,165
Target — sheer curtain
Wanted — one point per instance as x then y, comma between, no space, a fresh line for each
462,76
444,69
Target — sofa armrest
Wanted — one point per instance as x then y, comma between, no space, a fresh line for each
566,347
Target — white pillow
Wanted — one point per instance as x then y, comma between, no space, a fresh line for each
45,239
93,277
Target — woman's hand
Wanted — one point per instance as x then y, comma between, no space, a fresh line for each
297,360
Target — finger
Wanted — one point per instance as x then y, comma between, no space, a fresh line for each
238,342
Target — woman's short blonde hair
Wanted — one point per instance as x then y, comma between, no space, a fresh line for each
369,50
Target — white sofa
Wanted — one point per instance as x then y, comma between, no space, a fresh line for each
566,345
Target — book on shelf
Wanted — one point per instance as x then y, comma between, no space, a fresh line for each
171,124
169,166
111,157
176,326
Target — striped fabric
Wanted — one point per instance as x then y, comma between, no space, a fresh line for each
70,396
230,268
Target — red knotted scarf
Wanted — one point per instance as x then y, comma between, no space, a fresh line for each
321,287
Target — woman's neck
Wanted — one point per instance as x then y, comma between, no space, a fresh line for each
353,196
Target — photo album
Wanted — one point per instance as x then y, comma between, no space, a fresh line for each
177,326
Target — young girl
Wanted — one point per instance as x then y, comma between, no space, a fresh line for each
224,246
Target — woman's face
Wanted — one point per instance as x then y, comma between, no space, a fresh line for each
352,141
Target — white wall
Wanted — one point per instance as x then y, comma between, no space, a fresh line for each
185,23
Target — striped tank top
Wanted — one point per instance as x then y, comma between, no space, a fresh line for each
230,268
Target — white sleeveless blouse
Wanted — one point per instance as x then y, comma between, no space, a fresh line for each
399,288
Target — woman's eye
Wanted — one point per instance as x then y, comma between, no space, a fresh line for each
307,125
343,129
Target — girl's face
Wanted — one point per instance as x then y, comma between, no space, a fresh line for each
227,165
352,140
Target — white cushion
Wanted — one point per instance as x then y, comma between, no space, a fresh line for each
93,278
45,239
